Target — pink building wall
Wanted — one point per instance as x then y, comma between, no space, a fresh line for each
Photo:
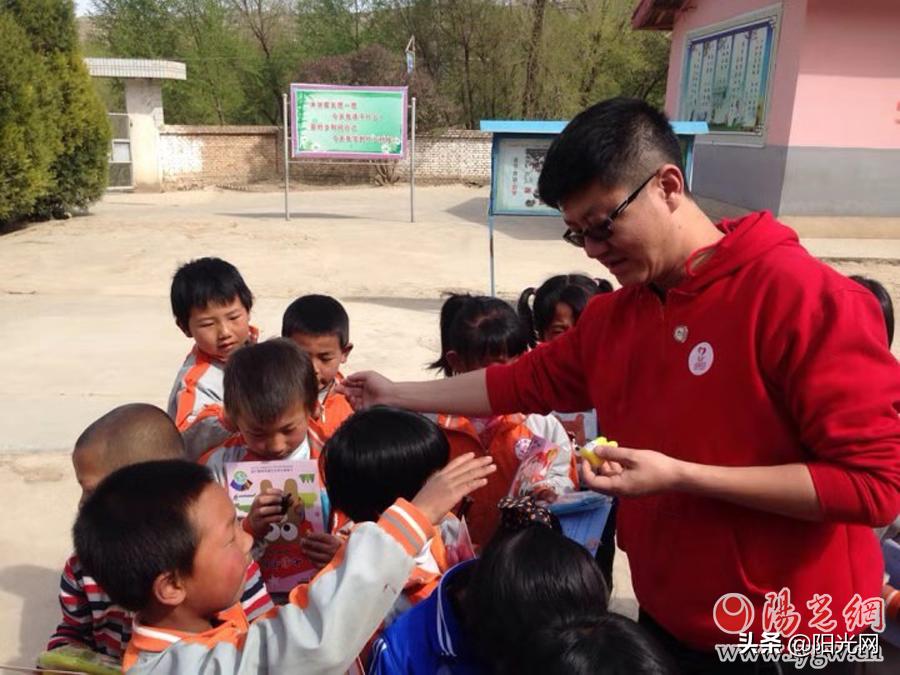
703,13
848,89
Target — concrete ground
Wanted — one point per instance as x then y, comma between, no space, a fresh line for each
86,324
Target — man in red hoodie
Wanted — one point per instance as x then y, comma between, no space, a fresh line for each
748,385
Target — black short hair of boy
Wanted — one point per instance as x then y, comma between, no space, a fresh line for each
529,578
478,327
617,143
264,380
884,299
606,645
203,281
379,455
137,525
572,289
317,315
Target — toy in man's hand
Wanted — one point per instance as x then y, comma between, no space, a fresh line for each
588,451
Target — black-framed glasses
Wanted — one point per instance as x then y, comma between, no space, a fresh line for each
604,229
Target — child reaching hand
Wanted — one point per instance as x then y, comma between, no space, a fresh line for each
380,455
163,538
477,331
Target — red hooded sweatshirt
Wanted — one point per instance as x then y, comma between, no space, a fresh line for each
761,356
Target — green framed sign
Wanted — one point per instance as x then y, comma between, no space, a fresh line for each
343,122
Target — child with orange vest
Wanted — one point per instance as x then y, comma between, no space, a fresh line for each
477,331
320,326
270,394
211,304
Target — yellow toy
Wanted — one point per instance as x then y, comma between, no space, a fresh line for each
588,451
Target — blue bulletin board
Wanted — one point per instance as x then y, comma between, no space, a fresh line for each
518,149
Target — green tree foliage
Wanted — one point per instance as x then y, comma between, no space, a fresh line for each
27,144
480,58
71,143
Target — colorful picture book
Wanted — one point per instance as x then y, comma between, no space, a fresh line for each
283,564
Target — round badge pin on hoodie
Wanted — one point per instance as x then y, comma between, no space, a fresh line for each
701,358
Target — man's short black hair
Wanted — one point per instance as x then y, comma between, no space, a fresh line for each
137,526
616,143
379,455
264,380
317,315
204,281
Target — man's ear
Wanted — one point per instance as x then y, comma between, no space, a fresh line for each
455,361
345,352
672,181
183,329
168,589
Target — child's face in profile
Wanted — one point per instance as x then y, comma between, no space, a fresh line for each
563,320
326,355
278,439
219,330
89,471
222,556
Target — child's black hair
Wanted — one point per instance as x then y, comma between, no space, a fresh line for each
264,380
379,455
575,290
317,315
136,525
884,299
478,327
532,577
602,645
204,281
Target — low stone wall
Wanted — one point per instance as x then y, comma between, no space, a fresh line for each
200,156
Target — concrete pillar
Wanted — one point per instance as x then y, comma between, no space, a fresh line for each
144,104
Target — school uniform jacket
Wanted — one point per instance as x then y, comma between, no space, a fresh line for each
428,639
498,439
90,619
322,628
196,402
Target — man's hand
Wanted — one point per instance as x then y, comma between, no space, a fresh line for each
320,548
631,473
265,510
365,389
448,486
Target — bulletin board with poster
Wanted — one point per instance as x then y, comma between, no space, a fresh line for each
726,73
518,150
517,165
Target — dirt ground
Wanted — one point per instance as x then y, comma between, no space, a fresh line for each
86,326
